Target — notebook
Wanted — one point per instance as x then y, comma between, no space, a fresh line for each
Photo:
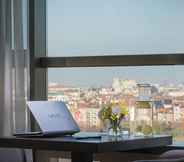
54,119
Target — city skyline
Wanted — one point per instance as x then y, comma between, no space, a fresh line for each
162,106
100,77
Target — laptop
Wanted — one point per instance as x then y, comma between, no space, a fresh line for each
54,119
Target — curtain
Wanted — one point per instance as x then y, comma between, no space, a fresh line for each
14,66
14,73
5,68
21,64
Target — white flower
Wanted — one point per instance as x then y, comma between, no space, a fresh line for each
116,110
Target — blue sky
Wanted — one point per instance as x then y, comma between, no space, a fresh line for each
113,27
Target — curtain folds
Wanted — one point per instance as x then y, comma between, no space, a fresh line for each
5,68
14,67
14,75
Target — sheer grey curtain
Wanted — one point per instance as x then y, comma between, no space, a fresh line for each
14,74
14,66
21,64
6,90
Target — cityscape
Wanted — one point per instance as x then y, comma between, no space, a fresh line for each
167,104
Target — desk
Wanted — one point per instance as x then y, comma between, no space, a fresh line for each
83,150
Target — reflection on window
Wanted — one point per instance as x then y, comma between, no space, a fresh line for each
166,91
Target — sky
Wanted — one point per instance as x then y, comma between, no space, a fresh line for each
115,27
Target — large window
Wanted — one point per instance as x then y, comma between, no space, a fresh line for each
139,29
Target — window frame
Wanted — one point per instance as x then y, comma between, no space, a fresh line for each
39,62
116,60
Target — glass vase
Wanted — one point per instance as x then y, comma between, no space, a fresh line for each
144,118
114,129
144,111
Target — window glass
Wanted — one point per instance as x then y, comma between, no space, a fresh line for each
85,94
108,27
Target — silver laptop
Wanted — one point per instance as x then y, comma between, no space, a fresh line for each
54,119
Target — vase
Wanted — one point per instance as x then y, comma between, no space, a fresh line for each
114,129
143,111
143,118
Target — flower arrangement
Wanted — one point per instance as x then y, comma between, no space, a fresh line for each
114,112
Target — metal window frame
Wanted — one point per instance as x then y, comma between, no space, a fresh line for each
39,62
37,48
116,60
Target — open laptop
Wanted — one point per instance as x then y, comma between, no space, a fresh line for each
54,119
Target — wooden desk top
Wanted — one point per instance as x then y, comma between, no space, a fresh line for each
94,145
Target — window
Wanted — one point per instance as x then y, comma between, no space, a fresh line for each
145,37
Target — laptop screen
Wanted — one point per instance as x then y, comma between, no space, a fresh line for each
53,116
